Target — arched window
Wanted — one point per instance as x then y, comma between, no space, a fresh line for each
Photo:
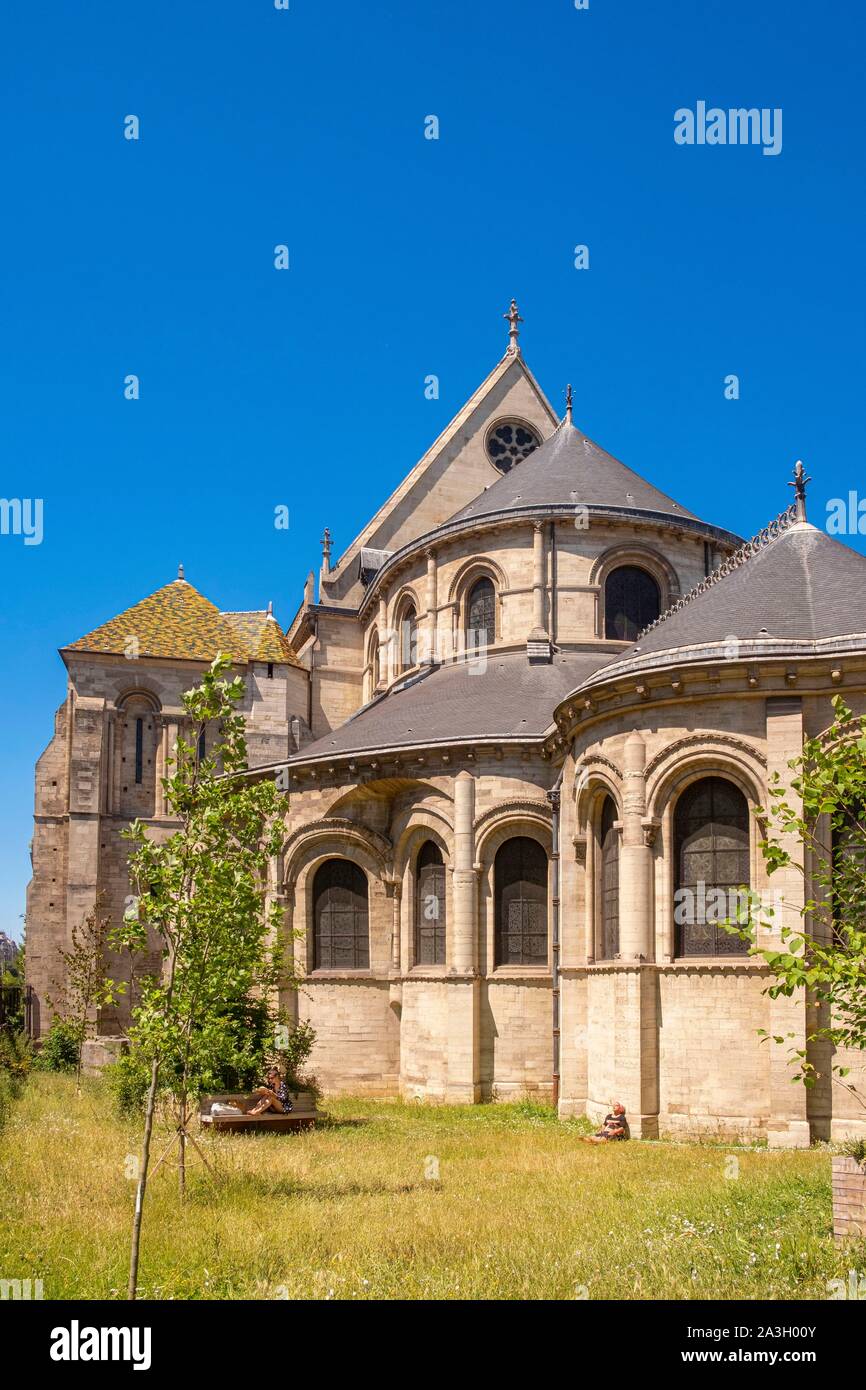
481,614
711,845
375,664
430,906
408,638
134,757
848,845
631,602
609,837
340,917
520,889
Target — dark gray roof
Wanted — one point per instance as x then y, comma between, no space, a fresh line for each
802,586
507,698
568,469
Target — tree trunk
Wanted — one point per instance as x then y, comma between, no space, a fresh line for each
142,1182
181,1156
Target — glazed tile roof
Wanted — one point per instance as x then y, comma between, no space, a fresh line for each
177,622
262,636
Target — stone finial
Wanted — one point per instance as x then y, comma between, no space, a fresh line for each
180,572
568,404
326,551
513,317
270,608
799,486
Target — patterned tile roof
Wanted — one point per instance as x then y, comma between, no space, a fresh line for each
262,636
179,623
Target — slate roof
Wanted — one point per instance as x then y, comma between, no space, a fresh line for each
509,698
802,586
567,469
177,622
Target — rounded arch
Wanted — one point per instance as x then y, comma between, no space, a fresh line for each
476,567
521,869
595,777
341,916
712,864
631,599
331,837
373,664
138,694
406,627
430,902
698,755
633,556
519,817
608,830
422,823
480,625
645,557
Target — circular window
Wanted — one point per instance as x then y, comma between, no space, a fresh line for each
509,442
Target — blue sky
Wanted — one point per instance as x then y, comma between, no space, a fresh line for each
305,127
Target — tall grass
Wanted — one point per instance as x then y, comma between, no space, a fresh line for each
408,1201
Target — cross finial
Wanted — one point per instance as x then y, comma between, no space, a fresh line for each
514,319
180,571
799,486
568,403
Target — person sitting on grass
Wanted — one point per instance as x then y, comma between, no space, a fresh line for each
615,1127
274,1095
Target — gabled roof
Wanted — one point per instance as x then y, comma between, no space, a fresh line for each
503,698
568,468
396,521
179,623
801,587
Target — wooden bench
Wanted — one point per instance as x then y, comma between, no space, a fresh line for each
303,1115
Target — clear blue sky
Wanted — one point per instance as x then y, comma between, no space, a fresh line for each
305,387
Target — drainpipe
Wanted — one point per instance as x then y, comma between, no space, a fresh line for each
553,797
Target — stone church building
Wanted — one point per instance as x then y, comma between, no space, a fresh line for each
528,712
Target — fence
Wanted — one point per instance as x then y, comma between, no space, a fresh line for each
16,1007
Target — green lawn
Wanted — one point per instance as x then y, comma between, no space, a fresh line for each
521,1209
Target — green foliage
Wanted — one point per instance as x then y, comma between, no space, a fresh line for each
16,1057
292,1050
86,987
822,812
15,1061
60,1049
7,1097
856,1149
202,896
128,1079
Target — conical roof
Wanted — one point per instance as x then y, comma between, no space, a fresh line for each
568,469
801,587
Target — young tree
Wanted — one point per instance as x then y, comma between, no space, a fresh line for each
203,895
86,986
825,954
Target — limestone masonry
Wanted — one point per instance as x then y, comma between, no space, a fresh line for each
504,776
